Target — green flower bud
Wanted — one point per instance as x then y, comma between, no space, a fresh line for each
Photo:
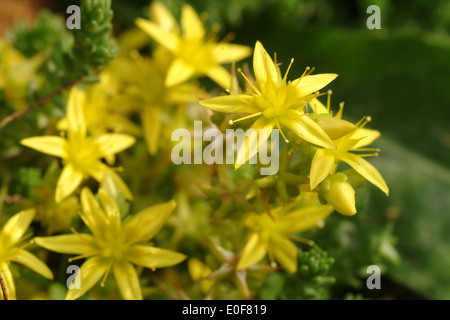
339,193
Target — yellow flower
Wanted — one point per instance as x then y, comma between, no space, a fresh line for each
11,235
81,154
100,113
196,52
272,233
144,92
325,160
113,245
276,102
16,72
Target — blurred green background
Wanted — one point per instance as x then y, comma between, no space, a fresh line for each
399,75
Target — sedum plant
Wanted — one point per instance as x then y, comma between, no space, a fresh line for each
218,230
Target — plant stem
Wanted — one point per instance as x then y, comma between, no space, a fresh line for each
23,112
3,285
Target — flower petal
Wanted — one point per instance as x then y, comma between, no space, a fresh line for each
191,24
127,280
364,137
306,128
31,261
232,103
321,166
16,227
310,84
52,145
263,66
254,251
147,223
364,168
162,16
70,243
75,113
244,153
151,124
178,72
225,52
116,181
92,215
285,252
112,143
304,218
90,273
152,258
165,38
220,76
68,181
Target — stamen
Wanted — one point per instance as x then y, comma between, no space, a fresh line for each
301,239
368,155
341,110
231,92
368,149
83,256
329,92
287,71
102,284
304,73
249,82
310,71
361,123
281,131
245,118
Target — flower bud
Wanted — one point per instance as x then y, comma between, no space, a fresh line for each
339,193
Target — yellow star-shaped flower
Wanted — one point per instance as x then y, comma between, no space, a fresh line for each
113,245
272,233
11,235
196,52
81,154
275,102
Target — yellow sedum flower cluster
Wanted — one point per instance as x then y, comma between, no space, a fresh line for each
251,224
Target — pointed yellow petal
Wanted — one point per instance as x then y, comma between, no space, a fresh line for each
263,65
151,124
285,252
16,227
244,153
69,180
306,129
220,76
310,84
178,72
52,145
166,39
75,113
93,215
321,167
113,179
304,218
9,281
147,223
365,169
70,244
112,143
152,258
112,211
365,136
254,251
91,272
127,280
233,104
226,53
191,24
162,16
31,261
